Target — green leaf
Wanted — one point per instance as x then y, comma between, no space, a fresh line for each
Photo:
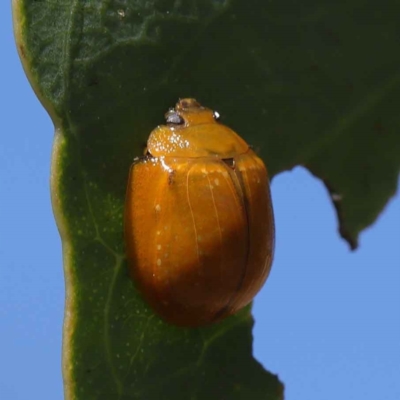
308,83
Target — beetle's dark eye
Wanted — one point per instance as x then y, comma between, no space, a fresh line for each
216,115
230,162
174,118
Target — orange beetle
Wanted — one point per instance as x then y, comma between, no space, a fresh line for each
199,225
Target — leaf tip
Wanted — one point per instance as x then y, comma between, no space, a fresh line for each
344,232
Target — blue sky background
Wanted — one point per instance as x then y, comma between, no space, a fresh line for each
327,321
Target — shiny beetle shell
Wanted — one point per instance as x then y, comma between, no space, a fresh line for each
199,225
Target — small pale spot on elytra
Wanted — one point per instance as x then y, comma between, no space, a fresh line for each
216,181
159,247
158,233
158,208
159,261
